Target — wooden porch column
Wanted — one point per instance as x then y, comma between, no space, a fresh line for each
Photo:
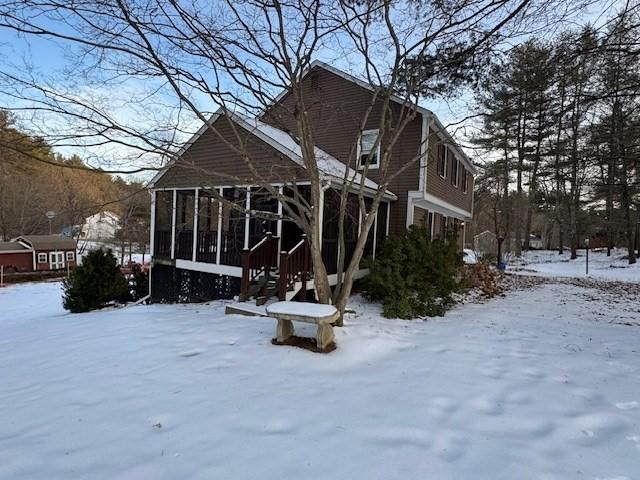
195,224
173,226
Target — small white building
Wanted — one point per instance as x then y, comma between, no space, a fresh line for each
100,227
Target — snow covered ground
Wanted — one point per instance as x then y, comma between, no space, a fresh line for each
550,263
542,384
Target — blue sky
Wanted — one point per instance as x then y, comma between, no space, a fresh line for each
50,57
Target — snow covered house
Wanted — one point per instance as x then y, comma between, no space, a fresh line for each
100,227
198,243
31,253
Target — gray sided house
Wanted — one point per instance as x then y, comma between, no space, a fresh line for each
204,249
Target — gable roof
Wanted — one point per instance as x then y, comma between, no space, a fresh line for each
48,242
396,98
283,142
278,136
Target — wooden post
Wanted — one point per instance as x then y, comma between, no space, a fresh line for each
282,283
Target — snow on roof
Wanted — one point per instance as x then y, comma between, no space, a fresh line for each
285,143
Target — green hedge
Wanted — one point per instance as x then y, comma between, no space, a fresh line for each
414,276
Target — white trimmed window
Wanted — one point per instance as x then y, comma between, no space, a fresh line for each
70,256
42,258
442,160
455,171
465,180
367,155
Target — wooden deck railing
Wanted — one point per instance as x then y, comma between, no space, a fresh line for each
257,261
295,266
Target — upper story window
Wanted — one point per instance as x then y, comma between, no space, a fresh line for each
70,256
442,160
42,258
465,180
368,151
455,171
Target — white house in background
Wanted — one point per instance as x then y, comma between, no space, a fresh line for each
100,227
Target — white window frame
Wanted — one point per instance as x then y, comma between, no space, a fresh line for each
446,161
371,166
41,256
70,256
465,180
456,178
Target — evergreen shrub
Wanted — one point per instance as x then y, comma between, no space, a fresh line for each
414,275
95,283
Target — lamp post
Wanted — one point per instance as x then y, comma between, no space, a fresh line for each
50,215
586,243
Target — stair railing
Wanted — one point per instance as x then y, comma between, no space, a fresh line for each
295,266
257,261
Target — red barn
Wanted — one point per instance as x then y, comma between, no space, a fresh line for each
30,253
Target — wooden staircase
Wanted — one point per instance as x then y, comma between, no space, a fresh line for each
264,277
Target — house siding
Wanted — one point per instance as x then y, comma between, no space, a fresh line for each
336,108
442,187
209,161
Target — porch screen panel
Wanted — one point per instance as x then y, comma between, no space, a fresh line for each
185,211
261,222
330,230
233,226
163,218
207,242
291,232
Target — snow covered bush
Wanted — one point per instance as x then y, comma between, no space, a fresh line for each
413,275
95,283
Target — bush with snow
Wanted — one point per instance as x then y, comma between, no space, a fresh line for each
414,275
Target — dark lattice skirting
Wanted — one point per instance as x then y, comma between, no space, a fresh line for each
175,285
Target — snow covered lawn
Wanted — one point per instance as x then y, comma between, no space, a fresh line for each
550,263
541,384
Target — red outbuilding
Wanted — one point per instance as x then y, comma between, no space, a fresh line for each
30,253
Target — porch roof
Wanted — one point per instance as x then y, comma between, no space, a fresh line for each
330,167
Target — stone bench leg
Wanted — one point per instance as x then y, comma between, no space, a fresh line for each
324,335
284,330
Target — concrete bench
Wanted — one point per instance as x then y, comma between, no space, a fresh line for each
321,315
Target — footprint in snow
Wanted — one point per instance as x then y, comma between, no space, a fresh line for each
190,353
627,405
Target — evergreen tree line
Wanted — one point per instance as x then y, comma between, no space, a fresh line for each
34,180
561,129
